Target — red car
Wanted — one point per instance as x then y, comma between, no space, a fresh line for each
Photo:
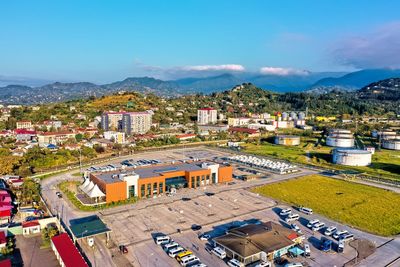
123,249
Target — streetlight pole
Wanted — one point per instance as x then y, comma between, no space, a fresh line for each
80,160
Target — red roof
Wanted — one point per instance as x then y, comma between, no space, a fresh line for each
3,238
30,224
5,213
243,130
67,251
185,135
293,236
207,109
24,131
57,133
5,263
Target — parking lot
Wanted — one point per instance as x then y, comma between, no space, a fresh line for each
213,207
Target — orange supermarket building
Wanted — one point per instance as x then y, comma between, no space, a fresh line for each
153,180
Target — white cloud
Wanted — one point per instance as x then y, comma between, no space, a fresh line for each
282,71
225,67
378,48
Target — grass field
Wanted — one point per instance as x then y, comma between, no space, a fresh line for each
365,207
385,163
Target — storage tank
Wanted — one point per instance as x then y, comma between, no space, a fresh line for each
351,157
385,134
287,140
338,141
393,144
339,131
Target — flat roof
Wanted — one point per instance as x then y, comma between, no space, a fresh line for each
88,226
151,171
68,252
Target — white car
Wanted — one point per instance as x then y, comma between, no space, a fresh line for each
219,252
204,237
235,263
292,217
339,233
307,250
330,230
306,210
311,223
285,212
318,226
264,264
294,264
295,228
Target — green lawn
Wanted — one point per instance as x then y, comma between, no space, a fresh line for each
385,163
365,207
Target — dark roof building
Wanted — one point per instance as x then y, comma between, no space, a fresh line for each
253,242
88,226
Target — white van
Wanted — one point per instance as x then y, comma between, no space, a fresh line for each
188,260
295,264
305,210
346,237
163,239
311,223
235,263
170,246
175,251
307,250
318,226
292,217
339,233
219,252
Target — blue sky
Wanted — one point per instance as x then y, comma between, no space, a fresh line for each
103,41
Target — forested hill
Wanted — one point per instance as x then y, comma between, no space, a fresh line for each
388,89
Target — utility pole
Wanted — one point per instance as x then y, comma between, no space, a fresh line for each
80,160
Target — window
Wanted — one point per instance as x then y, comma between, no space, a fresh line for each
197,181
161,188
148,189
155,188
193,180
142,190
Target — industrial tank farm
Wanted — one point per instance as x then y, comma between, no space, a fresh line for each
393,144
340,138
287,140
351,157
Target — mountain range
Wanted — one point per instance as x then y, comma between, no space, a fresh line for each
312,82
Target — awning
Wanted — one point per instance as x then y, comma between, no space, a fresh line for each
95,192
89,187
85,183
296,251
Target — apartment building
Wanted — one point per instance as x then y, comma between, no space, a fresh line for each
136,122
24,125
54,138
207,116
128,122
116,137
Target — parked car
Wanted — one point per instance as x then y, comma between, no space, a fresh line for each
162,239
196,227
208,248
341,246
337,234
263,264
235,263
306,210
318,226
174,252
307,250
330,230
295,228
346,237
311,223
285,212
292,217
59,194
294,264
123,249
204,237
219,252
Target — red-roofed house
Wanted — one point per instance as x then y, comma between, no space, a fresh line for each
5,263
5,216
30,228
24,135
15,182
3,239
66,252
250,132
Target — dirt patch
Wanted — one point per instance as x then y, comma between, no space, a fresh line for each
364,249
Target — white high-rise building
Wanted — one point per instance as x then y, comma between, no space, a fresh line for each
206,116
136,122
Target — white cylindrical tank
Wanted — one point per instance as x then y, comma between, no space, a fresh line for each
393,144
339,131
337,141
287,140
351,157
